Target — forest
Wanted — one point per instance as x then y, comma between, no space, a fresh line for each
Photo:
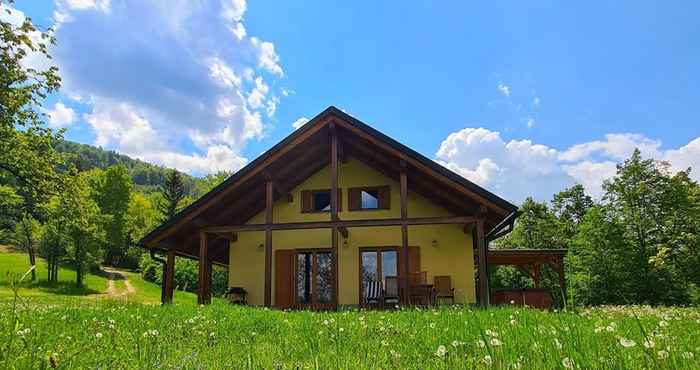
81,206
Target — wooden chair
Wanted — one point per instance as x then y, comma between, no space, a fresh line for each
391,293
419,292
443,288
373,294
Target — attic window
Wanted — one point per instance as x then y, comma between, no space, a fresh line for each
369,199
319,201
322,201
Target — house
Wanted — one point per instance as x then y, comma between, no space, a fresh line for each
331,210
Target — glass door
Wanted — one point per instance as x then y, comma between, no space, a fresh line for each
376,265
314,279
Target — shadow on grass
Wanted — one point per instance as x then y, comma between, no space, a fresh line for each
58,287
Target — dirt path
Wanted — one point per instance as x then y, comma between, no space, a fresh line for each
112,290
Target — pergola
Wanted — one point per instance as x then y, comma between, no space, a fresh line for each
530,261
205,229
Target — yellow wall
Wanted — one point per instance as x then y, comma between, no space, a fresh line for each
452,256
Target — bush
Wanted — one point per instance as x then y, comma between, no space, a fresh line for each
186,274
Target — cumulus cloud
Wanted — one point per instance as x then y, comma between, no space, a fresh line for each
519,168
181,73
60,116
301,121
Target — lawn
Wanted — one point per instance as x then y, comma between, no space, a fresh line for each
14,264
222,336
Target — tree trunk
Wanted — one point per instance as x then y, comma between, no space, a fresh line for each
78,266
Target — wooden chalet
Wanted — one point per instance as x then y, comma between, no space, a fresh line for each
335,214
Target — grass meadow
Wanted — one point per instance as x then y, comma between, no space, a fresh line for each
74,334
56,326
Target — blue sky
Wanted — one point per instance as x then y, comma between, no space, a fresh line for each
522,97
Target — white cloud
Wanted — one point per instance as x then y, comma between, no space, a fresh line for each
520,168
120,125
33,58
267,58
684,157
179,78
301,121
617,146
503,89
60,116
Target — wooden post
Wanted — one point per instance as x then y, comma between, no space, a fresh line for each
169,276
404,232
202,295
334,207
483,264
269,193
536,274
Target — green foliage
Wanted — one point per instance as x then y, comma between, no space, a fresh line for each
186,274
145,176
84,224
640,245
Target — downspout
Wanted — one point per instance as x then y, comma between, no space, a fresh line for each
162,279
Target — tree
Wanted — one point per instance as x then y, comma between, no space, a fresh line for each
113,194
173,192
141,217
54,239
26,235
536,228
569,207
84,226
209,182
598,259
27,158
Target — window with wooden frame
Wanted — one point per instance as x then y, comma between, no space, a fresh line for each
319,201
369,198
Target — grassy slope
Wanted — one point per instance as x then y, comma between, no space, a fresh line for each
222,336
16,264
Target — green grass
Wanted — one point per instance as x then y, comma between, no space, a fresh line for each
147,292
223,336
14,265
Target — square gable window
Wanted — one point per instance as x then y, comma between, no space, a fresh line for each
369,199
322,201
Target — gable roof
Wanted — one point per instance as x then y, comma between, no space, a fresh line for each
304,152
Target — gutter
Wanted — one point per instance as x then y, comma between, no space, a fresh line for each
504,228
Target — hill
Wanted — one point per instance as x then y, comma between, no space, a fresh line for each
146,176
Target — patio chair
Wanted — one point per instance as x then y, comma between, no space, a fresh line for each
391,294
419,291
373,293
444,289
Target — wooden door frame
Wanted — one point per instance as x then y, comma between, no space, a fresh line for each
313,251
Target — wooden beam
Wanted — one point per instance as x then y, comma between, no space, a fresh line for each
269,194
343,231
281,191
415,163
254,168
202,297
454,220
169,276
334,207
404,231
483,264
